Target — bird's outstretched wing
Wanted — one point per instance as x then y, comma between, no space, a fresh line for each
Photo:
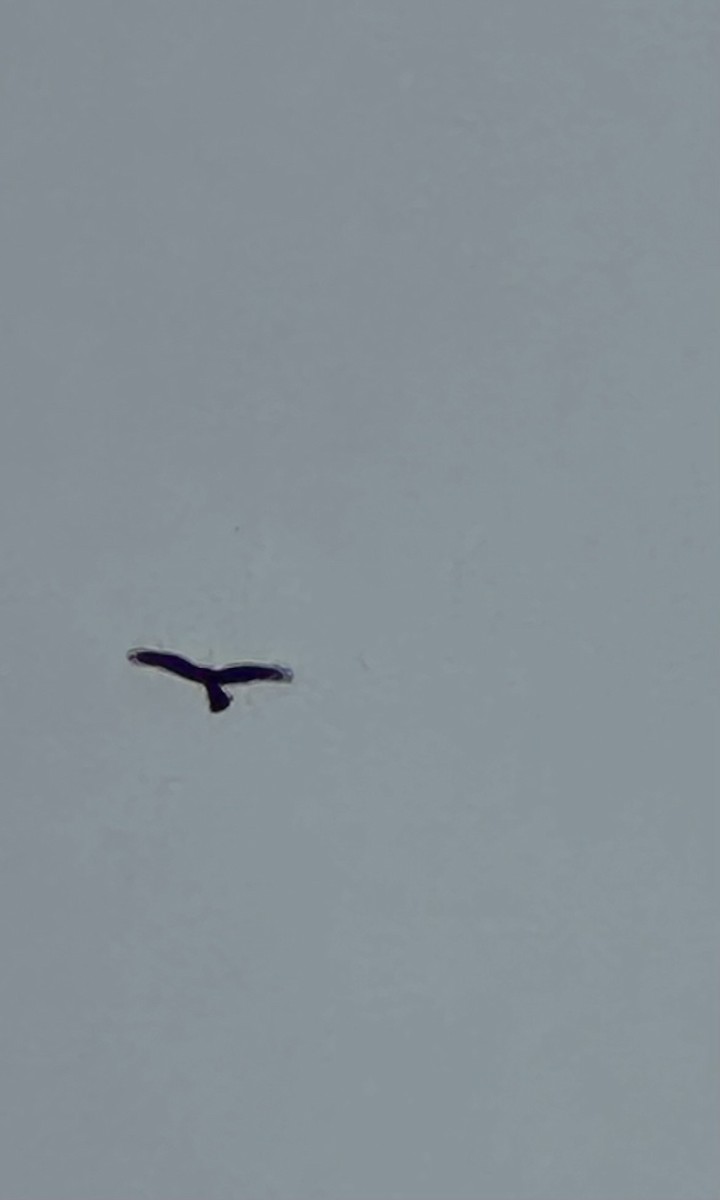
253,673
174,663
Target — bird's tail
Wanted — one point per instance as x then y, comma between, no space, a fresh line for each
217,698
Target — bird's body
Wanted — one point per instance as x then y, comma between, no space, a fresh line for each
212,678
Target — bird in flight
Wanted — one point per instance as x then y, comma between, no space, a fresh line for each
213,679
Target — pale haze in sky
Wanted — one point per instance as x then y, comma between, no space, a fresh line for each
377,339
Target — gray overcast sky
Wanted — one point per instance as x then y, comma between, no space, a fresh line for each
377,338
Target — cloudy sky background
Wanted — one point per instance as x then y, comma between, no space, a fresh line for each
379,339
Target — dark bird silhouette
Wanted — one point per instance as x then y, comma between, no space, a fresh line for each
213,678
